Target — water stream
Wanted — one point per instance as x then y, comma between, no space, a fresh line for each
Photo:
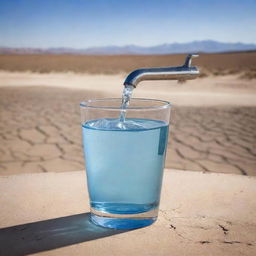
127,93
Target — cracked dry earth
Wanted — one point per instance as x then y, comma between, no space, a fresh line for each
40,132
212,233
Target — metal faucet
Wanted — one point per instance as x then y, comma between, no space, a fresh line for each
180,73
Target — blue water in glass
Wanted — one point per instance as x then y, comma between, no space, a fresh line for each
124,164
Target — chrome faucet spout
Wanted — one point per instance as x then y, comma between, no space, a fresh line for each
180,73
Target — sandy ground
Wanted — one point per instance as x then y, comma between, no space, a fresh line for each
200,214
213,121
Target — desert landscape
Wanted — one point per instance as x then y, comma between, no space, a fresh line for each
242,63
55,55
213,122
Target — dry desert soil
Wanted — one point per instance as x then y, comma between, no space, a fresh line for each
213,124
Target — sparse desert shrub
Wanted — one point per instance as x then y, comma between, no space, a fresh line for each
249,74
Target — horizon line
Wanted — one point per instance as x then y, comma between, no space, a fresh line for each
126,45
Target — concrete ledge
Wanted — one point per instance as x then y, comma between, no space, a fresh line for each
200,214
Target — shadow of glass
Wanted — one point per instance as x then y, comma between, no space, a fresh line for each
50,234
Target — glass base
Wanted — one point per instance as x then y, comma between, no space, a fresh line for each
121,223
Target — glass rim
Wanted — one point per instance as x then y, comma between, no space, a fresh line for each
86,104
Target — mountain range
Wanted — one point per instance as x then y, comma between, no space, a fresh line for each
205,46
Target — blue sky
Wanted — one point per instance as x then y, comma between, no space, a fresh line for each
85,23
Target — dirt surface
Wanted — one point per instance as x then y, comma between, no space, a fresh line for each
200,214
217,64
214,139
40,128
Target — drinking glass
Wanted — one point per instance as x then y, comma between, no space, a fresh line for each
124,160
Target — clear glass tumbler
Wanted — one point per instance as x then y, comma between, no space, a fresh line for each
124,159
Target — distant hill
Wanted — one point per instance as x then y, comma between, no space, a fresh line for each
206,46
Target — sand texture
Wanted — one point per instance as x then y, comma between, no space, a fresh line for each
200,214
